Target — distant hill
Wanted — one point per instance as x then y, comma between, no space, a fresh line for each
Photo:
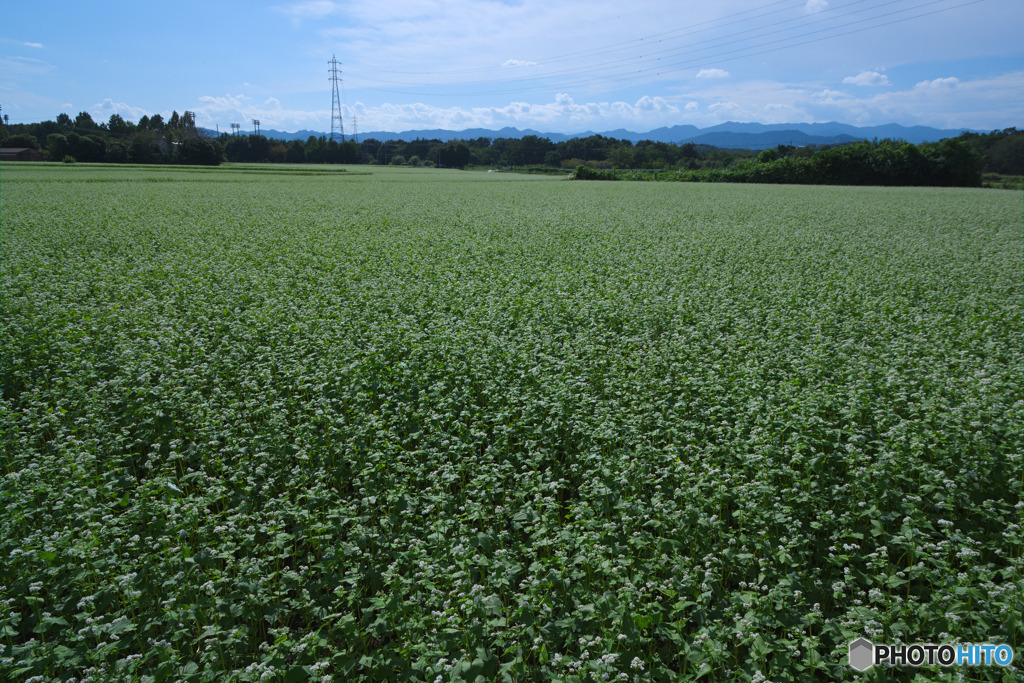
730,135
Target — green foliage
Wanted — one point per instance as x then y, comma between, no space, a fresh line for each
454,154
200,152
22,140
949,163
290,424
1002,151
57,145
888,162
584,172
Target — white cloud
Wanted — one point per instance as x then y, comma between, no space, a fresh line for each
23,43
984,103
941,102
938,83
658,104
15,66
518,62
828,96
563,114
815,6
867,78
242,109
712,73
102,111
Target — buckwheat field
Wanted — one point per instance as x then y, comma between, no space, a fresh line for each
296,423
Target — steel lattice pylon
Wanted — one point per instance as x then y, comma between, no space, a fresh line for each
337,124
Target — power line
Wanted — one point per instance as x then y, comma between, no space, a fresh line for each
569,56
653,65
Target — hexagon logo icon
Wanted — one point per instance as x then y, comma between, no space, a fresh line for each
862,654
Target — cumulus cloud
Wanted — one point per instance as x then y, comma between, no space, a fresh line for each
102,111
828,96
224,103
815,6
939,83
562,114
867,78
940,102
712,73
658,104
271,114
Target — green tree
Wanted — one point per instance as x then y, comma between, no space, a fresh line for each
296,152
145,148
454,154
351,153
530,150
84,122
200,151
117,126
117,153
314,151
57,145
621,156
22,140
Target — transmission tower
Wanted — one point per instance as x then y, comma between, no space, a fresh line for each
337,125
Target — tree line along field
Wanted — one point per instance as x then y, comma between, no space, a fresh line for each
303,423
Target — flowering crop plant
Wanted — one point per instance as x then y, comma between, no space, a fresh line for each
287,424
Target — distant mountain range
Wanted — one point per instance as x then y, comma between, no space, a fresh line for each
730,135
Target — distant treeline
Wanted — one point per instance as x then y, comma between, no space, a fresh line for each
951,162
150,141
955,161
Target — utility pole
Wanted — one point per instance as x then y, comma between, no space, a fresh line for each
337,125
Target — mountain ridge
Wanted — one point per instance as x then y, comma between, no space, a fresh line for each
731,134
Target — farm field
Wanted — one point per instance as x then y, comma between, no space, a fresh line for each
298,423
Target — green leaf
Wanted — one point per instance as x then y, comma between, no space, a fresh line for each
296,674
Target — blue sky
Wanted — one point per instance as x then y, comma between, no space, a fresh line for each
567,66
